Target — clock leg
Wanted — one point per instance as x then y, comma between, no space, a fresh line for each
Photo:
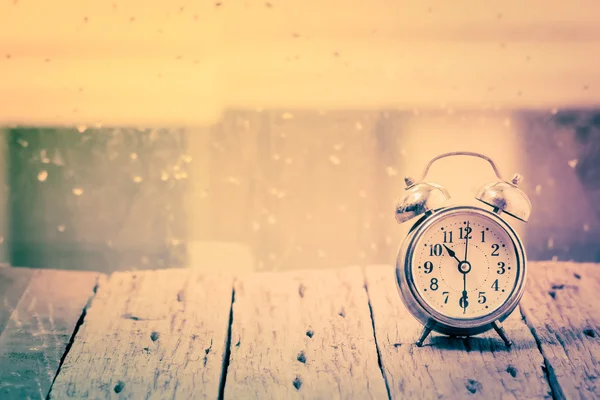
424,334
500,331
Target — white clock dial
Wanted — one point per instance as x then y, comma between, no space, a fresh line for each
465,265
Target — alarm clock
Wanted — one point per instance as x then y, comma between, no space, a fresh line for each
461,270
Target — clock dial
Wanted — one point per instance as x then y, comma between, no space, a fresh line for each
465,265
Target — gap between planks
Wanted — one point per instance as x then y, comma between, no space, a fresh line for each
75,330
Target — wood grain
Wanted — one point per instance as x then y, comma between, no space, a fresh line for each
40,329
303,334
561,308
152,334
13,282
450,367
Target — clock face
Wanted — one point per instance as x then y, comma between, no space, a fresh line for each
465,265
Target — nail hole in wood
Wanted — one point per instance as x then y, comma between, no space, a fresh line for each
297,383
131,317
154,336
512,371
552,294
301,357
237,344
309,333
301,290
558,287
342,313
119,387
396,345
180,296
577,276
473,386
589,333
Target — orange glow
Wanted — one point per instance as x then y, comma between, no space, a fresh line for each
164,63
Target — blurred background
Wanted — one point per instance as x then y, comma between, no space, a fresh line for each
270,136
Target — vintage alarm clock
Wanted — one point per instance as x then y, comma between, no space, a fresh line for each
461,270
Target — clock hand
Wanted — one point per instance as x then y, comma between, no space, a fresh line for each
465,296
467,241
452,253
465,271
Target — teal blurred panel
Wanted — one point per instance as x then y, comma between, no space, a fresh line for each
101,199
3,197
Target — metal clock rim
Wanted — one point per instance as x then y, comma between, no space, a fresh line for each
427,315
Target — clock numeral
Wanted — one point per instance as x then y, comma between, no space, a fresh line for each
495,285
481,299
428,267
463,302
464,232
447,294
501,268
482,236
496,247
434,284
447,237
435,250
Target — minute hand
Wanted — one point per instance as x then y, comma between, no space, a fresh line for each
467,241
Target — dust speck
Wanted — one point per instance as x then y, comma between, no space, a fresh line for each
42,175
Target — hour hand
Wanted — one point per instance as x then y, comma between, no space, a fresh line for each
451,253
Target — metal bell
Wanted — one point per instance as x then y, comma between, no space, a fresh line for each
418,199
506,197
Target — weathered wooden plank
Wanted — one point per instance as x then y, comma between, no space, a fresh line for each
151,334
561,307
40,329
450,367
303,335
13,282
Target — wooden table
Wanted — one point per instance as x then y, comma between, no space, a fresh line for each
340,333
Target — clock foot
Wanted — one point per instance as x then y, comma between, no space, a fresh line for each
500,331
424,334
